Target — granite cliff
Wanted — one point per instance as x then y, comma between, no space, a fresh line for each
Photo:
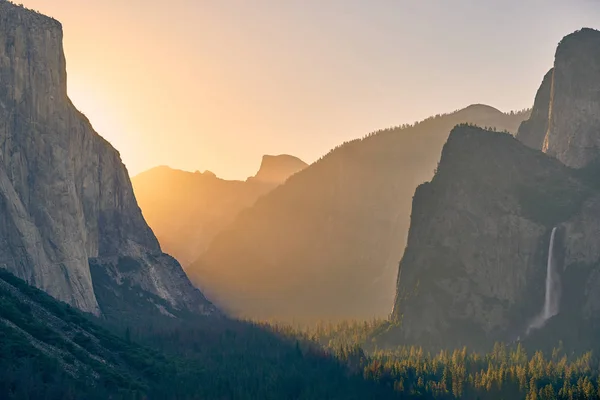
566,113
476,264
276,169
65,196
532,132
474,268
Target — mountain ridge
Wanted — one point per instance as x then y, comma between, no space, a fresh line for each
311,230
187,209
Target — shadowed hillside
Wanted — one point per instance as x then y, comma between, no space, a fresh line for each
187,209
474,270
326,244
503,242
53,351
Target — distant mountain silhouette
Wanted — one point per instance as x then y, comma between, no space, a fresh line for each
276,169
326,244
187,209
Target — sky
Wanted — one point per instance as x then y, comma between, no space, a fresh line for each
215,84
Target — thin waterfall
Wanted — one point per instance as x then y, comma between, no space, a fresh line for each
552,296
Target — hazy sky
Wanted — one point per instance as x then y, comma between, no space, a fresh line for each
214,84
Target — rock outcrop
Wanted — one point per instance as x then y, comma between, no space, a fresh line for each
474,268
65,195
568,103
326,243
276,169
532,132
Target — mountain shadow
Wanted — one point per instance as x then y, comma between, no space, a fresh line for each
51,350
187,209
326,243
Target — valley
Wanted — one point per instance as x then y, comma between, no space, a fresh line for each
454,258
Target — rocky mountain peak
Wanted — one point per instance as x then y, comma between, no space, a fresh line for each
568,100
276,169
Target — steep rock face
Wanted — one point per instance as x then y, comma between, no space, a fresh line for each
532,132
276,169
568,101
65,195
475,265
186,209
326,243
476,261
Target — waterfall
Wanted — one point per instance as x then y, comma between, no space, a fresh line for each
552,296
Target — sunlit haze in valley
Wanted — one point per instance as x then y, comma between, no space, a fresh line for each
199,84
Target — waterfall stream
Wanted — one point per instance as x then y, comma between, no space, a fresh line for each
552,296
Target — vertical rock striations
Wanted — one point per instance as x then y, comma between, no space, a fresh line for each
65,195
567,108
477,259
477,267
532,132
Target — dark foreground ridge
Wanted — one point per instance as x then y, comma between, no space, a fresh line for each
53,351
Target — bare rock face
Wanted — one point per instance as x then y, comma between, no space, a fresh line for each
568,101
276,169
476,263
532,132
474,269
65,195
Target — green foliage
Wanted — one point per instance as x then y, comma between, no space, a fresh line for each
499,374
44,355
47,357
505,372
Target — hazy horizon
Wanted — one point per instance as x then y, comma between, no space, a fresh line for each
233,80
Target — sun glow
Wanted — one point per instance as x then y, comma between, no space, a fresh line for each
96,106
214,85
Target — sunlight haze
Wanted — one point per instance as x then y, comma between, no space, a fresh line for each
214,85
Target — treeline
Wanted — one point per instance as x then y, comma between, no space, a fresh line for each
48,350
506,372
52,351
21,5
503,373
427,123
